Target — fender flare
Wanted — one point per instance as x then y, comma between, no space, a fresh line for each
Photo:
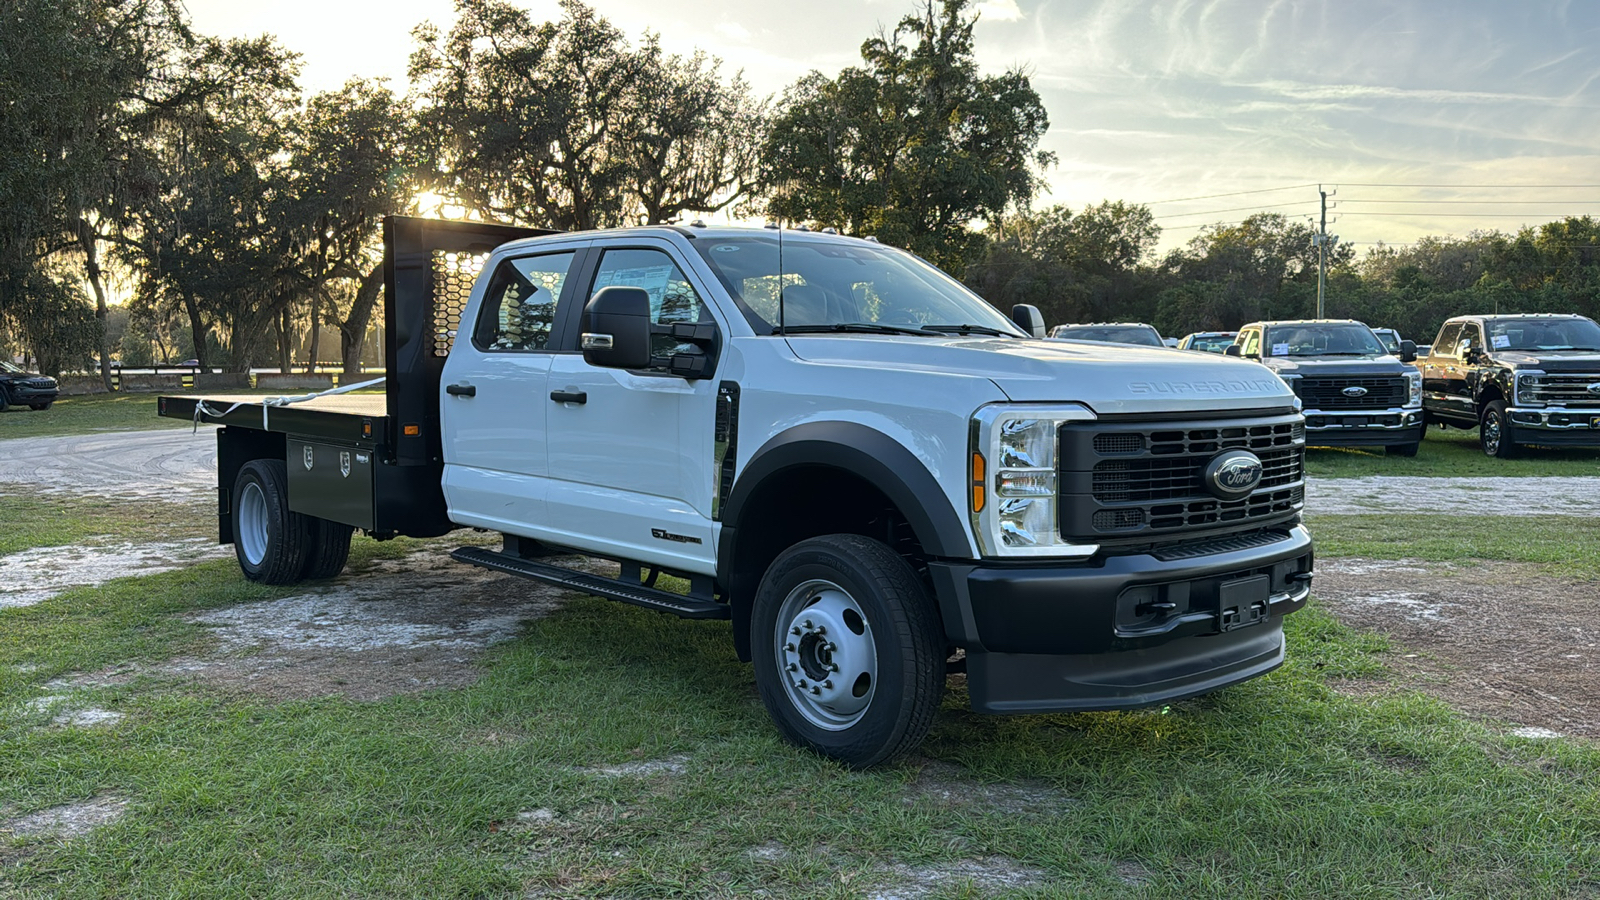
864,452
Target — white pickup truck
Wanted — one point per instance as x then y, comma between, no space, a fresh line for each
876,476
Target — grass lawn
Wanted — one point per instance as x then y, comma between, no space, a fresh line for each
1453,452
1281,787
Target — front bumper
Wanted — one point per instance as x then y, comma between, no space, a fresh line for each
1364,427
24,394
1118,632
1555,426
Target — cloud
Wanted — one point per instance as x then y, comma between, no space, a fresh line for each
1000,10
733,31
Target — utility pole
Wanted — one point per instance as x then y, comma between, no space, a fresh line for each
1322,240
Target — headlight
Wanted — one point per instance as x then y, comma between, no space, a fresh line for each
1015,499
1414,395
1527,387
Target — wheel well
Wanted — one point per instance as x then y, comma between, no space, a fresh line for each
1488,396
235,447
804,502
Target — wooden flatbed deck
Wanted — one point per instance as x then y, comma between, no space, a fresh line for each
356,418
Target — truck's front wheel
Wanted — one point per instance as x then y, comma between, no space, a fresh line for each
269,540
1494,432
848,649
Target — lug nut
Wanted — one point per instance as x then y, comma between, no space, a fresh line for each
828,684
793,668
795,630
822,629
817,691
806,623
832,646
789,647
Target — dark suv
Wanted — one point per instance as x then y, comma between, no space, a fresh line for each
1111,333
1519,379
1355,393
23,388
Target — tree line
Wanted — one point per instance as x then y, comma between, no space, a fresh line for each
241,217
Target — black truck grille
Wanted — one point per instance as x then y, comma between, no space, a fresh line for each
1146,479
1376,391
1565,390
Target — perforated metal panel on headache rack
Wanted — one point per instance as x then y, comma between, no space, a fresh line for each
429,268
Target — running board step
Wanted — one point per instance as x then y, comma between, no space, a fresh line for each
610,588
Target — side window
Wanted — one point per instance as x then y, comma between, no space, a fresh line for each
1471,339
1445,344
519,307
672,297
1252,343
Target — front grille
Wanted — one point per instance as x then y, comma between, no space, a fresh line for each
1564,390
1144,480
40,383
1326,392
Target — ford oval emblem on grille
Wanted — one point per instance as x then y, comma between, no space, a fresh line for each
1232,474
1354,390
1595,388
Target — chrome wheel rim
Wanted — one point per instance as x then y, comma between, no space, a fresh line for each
253,523
1491,434
825,655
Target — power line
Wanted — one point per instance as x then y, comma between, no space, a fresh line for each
1495,186
1479,202
1526,215
1290,187
1234,209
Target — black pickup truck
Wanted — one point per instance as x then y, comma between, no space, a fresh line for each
1519,379
1356,394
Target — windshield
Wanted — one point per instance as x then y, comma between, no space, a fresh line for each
842,283
8,367
1112,334
1323,340
1544,334
1211,343
1389,340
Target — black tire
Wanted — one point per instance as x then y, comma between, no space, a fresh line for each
327,549
1401,449
1494,432
875,601
269,540
41,406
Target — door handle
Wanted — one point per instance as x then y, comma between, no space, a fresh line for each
569,396
461,390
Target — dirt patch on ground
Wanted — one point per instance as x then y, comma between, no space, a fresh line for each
33,576
951,787
1494,639
401,626
68,820
405,625
1525,496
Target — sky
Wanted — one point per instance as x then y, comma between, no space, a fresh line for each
1423,117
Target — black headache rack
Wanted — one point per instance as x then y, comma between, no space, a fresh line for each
360,459
437,262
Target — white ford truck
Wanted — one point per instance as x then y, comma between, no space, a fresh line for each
874,475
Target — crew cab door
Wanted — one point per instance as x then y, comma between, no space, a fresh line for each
492,406
1441,375
631,451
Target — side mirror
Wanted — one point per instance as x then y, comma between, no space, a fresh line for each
1028,318
616,329
1233,350
1408,351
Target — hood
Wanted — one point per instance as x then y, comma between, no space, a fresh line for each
1336,366
1108,378
1550,360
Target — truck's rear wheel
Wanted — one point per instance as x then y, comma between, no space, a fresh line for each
327,549
269,540
848,649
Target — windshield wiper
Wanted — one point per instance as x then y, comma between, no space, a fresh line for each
850,327
1336,353
1563,349
967,329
